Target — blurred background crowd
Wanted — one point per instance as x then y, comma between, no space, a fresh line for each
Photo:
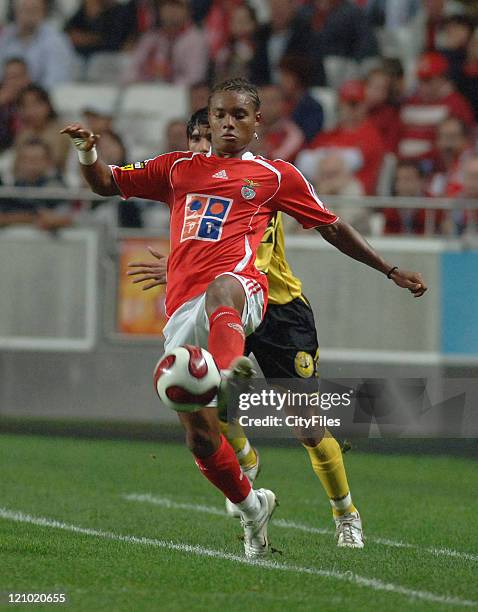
366,97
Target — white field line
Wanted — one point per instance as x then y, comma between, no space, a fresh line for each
350,577
166,502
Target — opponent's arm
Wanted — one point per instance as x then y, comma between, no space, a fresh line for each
97,174
153,271
349,241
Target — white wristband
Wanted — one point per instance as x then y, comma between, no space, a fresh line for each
88,158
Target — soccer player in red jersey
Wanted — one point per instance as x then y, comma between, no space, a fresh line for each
220,205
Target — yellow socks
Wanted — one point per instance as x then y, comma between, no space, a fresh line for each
236,437
328,465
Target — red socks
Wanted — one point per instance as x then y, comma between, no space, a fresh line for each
223,470
226,336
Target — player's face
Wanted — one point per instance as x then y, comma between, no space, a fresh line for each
233,120
200,140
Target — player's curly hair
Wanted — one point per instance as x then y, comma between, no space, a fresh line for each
238,84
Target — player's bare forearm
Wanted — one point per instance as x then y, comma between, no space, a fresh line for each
96,173
350,242
99,178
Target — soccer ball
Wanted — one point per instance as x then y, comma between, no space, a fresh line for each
186,378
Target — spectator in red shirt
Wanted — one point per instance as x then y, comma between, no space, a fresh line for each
176,52
435,100
278,136
217,24
355,138
380,111
453,148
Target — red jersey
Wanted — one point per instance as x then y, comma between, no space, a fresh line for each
219,210
420,119
363,146
385,118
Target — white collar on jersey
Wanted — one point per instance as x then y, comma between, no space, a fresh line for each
246,155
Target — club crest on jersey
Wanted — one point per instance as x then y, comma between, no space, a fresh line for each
248,191
304,364
204,217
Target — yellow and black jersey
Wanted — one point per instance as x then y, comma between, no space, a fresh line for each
285,344
283,285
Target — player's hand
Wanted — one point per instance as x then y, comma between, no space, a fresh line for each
412,281
76,131
153,271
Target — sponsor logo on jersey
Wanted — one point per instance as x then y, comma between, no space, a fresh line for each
222,174
204,217
248,192
304,364
135,166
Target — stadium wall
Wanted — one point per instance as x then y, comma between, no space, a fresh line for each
61,356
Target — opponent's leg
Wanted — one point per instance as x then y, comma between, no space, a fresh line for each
245,453
286,346
328,465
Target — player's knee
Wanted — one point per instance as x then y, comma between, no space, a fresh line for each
202,443
224,291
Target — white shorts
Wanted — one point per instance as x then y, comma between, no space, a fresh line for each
190,324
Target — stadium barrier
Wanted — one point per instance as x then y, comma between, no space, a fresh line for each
63,353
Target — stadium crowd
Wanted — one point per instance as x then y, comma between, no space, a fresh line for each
366,97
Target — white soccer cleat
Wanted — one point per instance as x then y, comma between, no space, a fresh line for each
251,475
348,530
256,543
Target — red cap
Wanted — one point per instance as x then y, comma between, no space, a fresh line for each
352,91
432,65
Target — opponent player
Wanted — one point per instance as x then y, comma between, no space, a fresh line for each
220,205
285,346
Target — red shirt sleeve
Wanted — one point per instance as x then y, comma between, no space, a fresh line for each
297,197
149,179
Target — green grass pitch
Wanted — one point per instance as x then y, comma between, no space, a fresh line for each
181,552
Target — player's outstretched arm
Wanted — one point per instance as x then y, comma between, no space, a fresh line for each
348,240
97,174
